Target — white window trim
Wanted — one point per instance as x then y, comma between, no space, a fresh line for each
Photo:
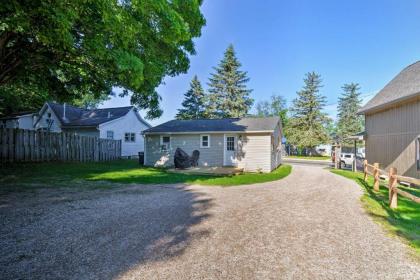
201,141
234,142
161,143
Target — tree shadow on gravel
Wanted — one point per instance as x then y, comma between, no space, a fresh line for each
102,237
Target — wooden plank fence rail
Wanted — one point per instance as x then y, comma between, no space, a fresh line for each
18,145
393,180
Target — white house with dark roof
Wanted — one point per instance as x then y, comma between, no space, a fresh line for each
122,123
392,120
253,144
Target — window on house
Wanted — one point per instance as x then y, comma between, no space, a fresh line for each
205,141
130,137
110,134
230,143
165,143
418,152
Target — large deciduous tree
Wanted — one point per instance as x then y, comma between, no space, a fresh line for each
193,106
64,50
275,107
307,125
349,123
229,96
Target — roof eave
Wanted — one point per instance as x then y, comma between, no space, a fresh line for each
388,104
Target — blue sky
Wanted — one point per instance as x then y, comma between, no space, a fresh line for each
367,42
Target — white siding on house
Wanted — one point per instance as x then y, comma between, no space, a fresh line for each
26,122
127,124
43,123
22,122
254,152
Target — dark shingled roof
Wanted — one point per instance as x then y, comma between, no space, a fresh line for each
217,125
83,117
404,86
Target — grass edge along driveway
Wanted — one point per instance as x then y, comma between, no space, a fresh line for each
21,176
309,157
403,221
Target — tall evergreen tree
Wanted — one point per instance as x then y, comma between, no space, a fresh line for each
228,94
307,126
349,123
193,106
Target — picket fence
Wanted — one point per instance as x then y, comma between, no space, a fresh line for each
19,145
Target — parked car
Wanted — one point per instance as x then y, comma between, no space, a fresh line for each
346,159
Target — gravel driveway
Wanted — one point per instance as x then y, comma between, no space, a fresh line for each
309,225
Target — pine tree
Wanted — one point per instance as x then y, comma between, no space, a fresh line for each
229,96
307,126
349,123
193,106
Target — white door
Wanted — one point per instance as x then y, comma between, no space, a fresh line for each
230,150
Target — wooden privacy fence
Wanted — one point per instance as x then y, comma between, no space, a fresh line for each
393,180
18,145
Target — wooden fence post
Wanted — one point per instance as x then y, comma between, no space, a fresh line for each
365,169
393,194
96,149
376,177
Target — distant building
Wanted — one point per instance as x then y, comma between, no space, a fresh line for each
393,123
324,150
23,120
122,123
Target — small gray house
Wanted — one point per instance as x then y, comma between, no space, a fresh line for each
253,144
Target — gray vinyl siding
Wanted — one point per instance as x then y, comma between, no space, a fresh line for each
391,136
212,156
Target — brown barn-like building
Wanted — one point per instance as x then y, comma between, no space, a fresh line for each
392,121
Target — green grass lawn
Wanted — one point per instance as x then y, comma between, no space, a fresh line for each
311,157
106,174
403,221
